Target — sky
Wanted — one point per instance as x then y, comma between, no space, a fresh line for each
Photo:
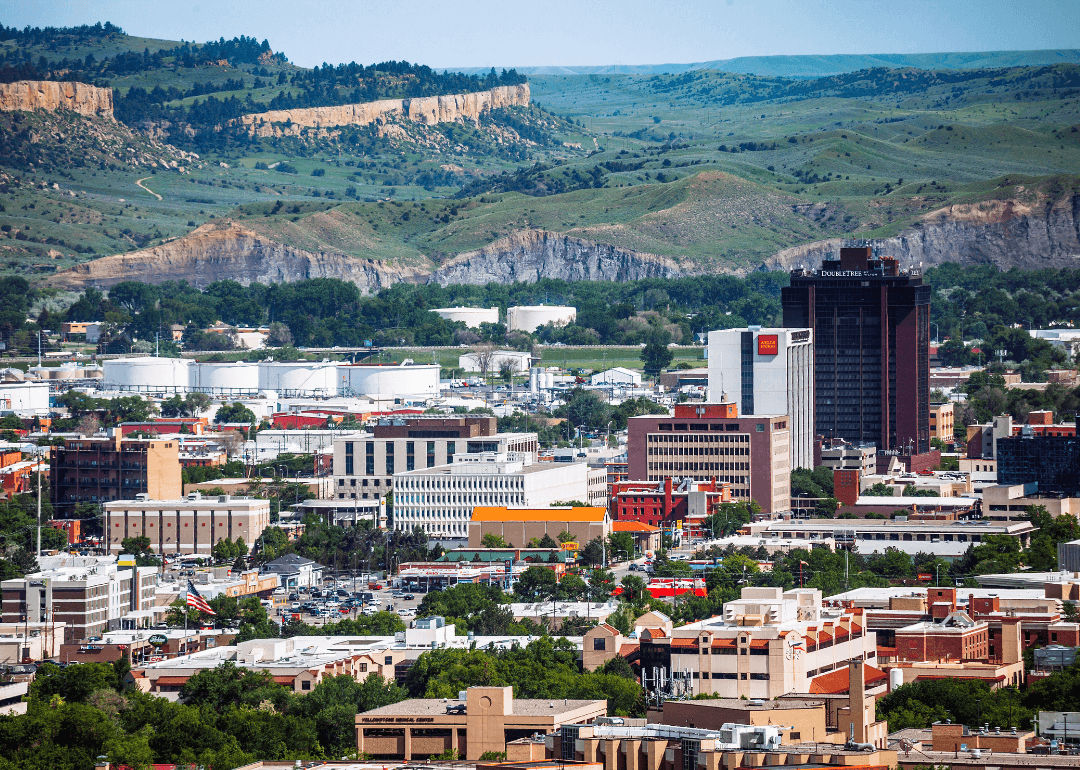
468,33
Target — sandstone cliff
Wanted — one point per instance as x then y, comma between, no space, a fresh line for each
530,255
30,95
227,250
1041,232
425,109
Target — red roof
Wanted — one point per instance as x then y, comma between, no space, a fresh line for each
284,680
632,526
836,682
656,633
170,680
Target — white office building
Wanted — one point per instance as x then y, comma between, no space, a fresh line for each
768,371
440,500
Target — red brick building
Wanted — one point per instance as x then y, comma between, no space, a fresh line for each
956,637
710,442
667,504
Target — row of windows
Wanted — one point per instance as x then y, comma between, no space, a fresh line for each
701,438
691,451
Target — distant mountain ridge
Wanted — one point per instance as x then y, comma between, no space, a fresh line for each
818,65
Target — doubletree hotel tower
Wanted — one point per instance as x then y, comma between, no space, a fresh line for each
871,326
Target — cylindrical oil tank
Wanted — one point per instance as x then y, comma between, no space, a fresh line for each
395,381
896,678
529,318
470,316
225,377
303,378
149,374
536,378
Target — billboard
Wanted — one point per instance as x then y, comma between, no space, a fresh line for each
768,344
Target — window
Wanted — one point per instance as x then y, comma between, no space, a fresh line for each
569,736
305,685
690,749
599,644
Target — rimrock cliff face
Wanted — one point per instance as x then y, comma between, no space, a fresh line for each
422,109
530,255
29,95
1044,232
216,252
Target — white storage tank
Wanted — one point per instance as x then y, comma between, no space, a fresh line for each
303,378
470,316
225,377
380,381
148,374
529,318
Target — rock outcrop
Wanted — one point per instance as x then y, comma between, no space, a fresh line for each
227,250
428,110
50,95
1042,232
530,255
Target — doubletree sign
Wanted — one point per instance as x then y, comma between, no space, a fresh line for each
158,640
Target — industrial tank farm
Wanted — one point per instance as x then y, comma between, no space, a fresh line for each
302,378
529,318
470,316
226,378
382,381
315,379
147,375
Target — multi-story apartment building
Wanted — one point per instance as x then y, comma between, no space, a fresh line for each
768,371
441,500
97,470
711,442
364,465
192,525
766,644
871,324
89,594
943,421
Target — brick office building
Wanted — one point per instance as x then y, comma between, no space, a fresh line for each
97,470
668,504
871,326
711,442
192,525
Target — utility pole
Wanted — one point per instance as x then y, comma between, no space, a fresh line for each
39,504
845,569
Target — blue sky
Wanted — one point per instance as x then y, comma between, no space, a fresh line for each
565,32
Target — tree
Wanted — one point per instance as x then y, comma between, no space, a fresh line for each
234,413
279,335
593,552
621,543
536,584
656,355
491,540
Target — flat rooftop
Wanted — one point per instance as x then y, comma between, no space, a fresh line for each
523,707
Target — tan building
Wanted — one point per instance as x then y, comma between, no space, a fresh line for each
766,644
486,720
21,642
97,470
942,422
519,526
192,525
1007,502
85,595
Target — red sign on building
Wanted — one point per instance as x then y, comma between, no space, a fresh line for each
768,344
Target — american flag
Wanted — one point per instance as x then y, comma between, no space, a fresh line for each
194,599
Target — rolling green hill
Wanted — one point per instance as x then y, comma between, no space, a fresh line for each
711,170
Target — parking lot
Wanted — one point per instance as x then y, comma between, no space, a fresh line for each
349,598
